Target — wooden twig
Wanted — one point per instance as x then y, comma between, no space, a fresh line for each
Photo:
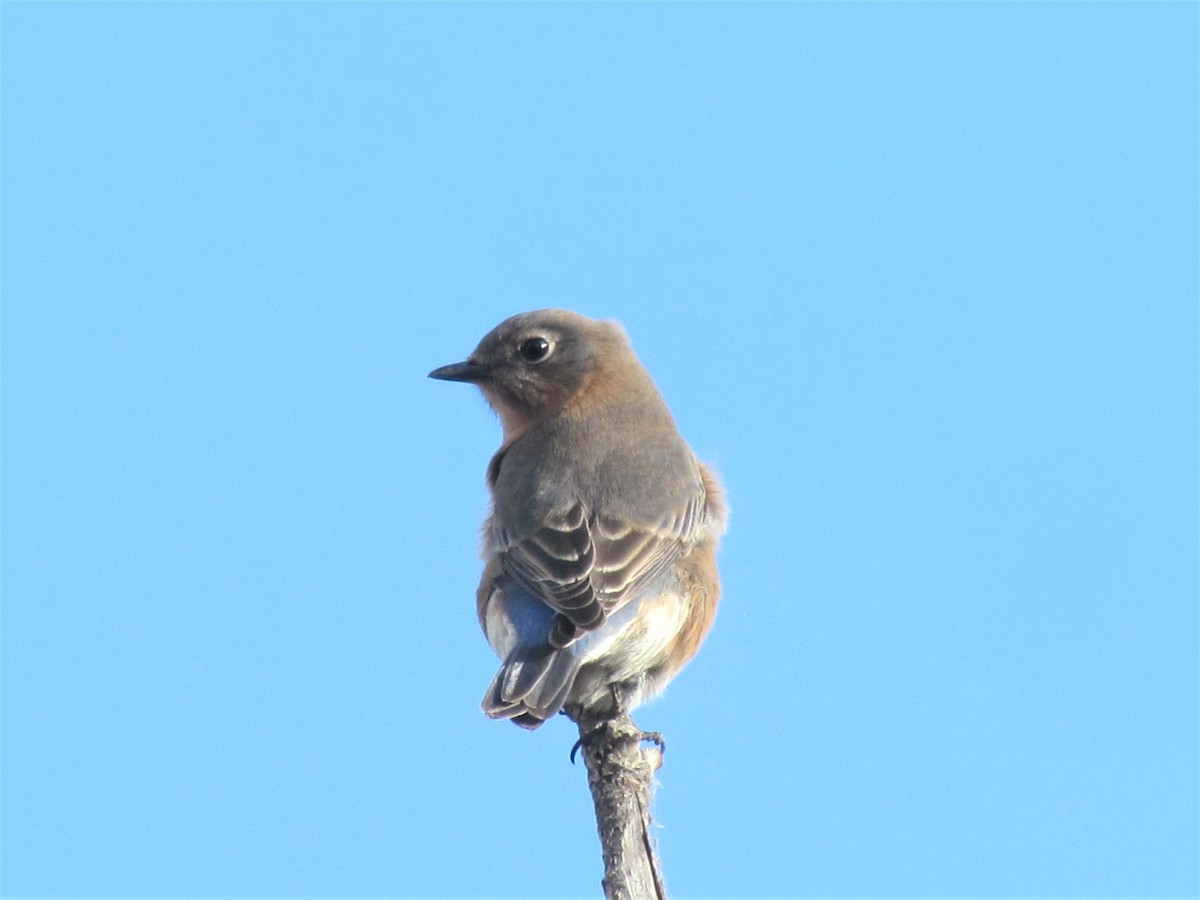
621,777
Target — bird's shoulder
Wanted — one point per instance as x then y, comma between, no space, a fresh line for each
620,466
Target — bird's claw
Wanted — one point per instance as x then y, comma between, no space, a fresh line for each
656,739
583,739
652,737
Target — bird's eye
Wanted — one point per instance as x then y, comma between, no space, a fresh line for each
534,349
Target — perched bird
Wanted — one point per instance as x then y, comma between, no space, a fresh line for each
600,579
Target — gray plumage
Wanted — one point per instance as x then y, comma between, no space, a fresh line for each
600,581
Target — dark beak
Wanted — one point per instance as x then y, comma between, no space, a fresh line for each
464,371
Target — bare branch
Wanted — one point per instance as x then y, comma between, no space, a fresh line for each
621,777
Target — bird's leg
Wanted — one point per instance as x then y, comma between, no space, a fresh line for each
624,694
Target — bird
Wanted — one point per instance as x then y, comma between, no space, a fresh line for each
599,548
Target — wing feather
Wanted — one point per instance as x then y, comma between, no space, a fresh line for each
586,566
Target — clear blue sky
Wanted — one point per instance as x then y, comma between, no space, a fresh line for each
919,279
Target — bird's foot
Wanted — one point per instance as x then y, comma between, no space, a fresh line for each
584,739
656,739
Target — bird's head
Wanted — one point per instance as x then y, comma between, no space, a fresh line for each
535,363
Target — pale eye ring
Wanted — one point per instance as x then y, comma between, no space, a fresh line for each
534,349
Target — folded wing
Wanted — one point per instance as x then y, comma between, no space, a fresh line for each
587,566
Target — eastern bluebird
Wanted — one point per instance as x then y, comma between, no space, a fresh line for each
600,578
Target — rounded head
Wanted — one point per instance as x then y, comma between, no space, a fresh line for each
533,363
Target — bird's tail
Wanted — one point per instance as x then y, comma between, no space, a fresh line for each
532,685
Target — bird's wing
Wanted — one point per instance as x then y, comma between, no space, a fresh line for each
585,566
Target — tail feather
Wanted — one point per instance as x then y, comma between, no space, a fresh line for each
522,674
531,686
